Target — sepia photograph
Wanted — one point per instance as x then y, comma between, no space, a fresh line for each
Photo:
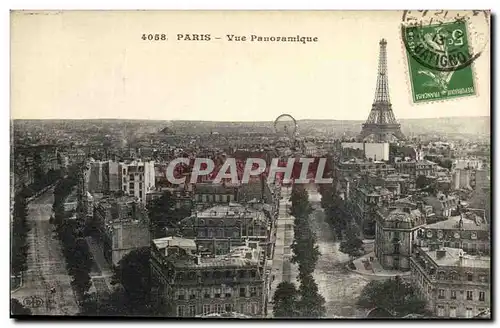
250,164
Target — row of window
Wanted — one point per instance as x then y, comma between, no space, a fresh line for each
217,292
220,222
214,198
469,296
217,274
469,311
132,168
225,233
456,234
191,310
453,275
131,185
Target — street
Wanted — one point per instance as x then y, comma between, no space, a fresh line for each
282,269
46,266
339,286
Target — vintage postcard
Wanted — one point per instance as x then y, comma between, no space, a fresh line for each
251,164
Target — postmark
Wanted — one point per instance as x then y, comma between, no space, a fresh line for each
440,51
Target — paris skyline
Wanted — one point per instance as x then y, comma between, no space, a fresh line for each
97,67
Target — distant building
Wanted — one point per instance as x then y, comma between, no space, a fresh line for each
208,194
462,179
442,205
102,176
365,202
181,198
189,285
219,228
123,226
467,163
453,283
416,168
470,233
375,151
355,166
396,232
137,178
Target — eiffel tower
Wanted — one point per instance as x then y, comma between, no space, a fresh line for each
381,123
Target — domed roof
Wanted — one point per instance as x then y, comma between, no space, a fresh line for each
402,216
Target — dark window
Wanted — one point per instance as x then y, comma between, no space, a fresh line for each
481,296
243,292
253,291
469,295
469,277
206,293
228,274
217,293
242,274
453,295
181,294
254,273
396,248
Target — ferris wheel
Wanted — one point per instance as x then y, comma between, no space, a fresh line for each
285,125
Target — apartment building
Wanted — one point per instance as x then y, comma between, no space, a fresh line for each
190,285
453,283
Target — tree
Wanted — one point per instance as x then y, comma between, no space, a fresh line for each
300,201
421,182
133,272
326,196
352,245
305,251
311,304
80,266
285,300
160,211
111,305
394,295
39,175
16,308
20,229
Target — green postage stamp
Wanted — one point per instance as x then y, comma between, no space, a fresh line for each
439,60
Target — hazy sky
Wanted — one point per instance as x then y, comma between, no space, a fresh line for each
95,65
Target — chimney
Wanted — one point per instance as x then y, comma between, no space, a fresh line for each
440,253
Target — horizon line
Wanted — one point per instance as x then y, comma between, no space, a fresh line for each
228,121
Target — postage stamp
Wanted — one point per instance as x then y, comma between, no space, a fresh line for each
440,56
433,51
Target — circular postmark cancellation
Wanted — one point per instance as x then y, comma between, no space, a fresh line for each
445,40
33,301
